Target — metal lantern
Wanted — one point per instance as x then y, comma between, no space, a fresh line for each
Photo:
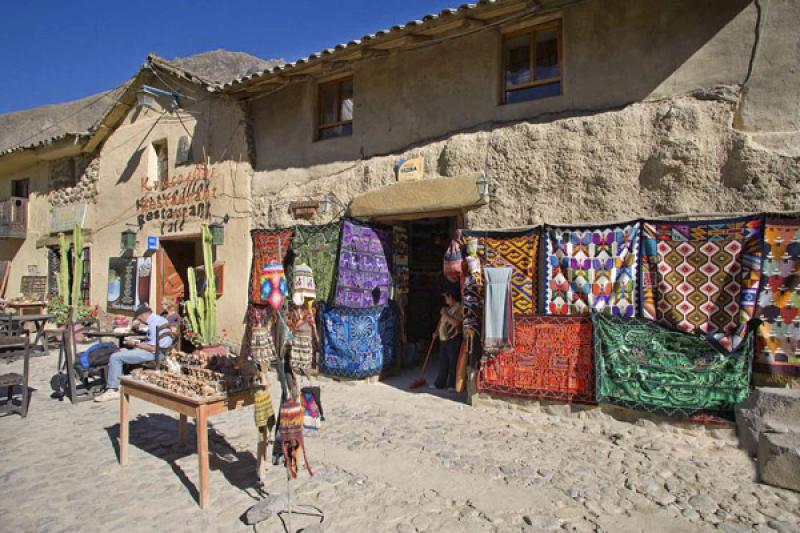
145,99
217,234
128,240
483,187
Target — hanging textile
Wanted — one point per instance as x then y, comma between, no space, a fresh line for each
517,250
273,285
590,269
400,253
269,246
702,277
357,343
778,335
318,247
551,360
256,317
263,411
290,434
471,300
364,276
498,315
645,366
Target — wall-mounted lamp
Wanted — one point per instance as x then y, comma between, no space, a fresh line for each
128,240
483,187
217,230
146,97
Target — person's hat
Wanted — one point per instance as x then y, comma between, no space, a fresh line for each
142,309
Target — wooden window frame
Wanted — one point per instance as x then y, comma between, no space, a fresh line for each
320,125
14,183
531,33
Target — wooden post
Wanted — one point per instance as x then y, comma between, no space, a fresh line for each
182,430
123,426
202,454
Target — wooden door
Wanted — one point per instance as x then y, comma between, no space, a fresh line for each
174,258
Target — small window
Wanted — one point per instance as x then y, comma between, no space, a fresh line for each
336,109
532,64
21,188
183,154
158,166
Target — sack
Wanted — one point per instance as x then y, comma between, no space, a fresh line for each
97,354
59,383
452,262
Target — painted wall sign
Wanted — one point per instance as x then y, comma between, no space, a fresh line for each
152,243
174,201
410,169
63,219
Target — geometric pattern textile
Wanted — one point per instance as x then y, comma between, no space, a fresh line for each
365,266
269,246
551,360
318,246
357,343
643,365
591,269
702,277
517,250
778,336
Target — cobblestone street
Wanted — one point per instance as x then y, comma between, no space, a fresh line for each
386,460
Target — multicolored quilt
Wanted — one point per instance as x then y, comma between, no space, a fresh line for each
517,250
552,360
269,246
365,274
702,277
778,336
642,365
318,246
357,343
591,269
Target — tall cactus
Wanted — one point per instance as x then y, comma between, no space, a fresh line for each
77,267
202,311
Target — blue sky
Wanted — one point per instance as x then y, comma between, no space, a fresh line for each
59,50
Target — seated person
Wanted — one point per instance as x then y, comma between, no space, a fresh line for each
135,353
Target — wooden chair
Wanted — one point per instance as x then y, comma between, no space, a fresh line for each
163,332
11,380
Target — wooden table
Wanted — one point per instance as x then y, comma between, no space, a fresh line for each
199,409
40,339
28,308
120,336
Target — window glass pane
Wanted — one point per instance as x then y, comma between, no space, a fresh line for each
547,55
533,93
20,188
328,104
346,107
518,60
337,131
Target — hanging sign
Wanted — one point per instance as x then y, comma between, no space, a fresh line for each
122,283
64,218
410,169
152,243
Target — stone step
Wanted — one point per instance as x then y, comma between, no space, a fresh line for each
767,409
779,460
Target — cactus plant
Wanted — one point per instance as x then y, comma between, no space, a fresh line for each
202,310
77,268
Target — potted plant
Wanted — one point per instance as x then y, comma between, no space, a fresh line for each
201,311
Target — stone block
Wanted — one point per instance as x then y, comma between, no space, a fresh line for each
767,408
779,460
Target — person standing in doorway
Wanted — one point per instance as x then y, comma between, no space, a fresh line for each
137,352
449,333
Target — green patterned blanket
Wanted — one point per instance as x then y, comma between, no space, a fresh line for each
642,365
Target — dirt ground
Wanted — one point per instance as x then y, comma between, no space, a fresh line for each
387,459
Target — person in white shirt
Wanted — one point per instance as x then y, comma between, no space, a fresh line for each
135,353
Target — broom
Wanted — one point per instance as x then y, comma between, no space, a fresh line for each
419,381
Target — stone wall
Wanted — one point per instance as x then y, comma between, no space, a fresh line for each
672,156
73,180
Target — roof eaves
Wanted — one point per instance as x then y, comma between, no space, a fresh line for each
76,137
240,83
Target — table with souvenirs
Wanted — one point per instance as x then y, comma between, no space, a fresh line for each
198,385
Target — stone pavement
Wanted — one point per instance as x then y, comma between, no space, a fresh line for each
386,460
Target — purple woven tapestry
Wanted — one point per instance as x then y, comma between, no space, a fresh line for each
365,266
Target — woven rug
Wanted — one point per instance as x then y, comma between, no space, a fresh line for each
364,274
642,365
517,250
269,246
590,269
551,360
357,343
317,247
702,277
778,336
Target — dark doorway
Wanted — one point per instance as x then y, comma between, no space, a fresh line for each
175,257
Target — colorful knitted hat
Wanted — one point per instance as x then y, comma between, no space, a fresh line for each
304,286
273,285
